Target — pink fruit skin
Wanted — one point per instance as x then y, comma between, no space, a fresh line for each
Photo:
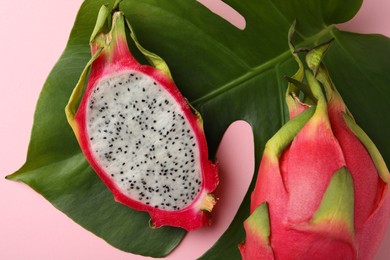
293,186
372,202
119,59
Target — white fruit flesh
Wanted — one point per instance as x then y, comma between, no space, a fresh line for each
140,137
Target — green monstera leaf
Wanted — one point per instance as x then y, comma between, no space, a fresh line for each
227,74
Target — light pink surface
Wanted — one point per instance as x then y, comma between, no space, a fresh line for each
34,34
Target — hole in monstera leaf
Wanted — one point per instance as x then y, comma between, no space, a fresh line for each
235,159
225,11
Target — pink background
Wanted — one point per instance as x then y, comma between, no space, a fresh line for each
34,34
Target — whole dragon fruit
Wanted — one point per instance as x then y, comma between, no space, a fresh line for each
322,187
139,133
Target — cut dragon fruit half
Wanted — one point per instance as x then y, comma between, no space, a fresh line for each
140,135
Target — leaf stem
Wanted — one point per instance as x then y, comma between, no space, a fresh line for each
252,73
